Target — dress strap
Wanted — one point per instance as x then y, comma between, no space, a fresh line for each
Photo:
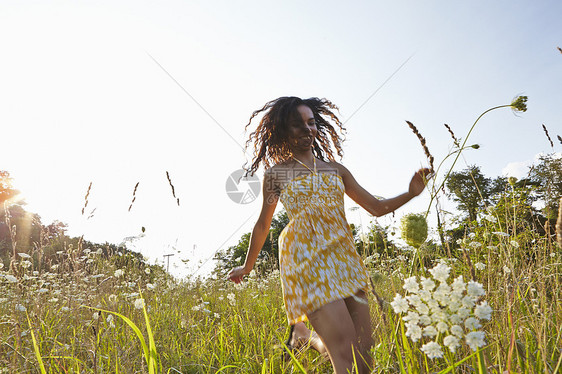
303,164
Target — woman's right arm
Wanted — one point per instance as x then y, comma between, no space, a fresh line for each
261,228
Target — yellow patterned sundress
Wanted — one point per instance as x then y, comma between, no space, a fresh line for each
318,261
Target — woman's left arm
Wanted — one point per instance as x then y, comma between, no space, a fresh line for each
381,207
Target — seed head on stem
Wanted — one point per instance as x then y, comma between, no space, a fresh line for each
423,143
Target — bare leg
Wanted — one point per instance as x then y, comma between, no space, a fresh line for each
360,314
336,328
303,336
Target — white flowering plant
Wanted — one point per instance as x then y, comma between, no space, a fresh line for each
441,315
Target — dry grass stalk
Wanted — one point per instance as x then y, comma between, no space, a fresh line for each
173,189
547,135
423,143
559,225
134,196
455,140
86,198
560,49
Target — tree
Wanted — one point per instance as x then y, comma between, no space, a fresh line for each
547,179
268,257
7,190
472,191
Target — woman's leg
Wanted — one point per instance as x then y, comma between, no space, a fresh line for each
360,314
303,336
336,328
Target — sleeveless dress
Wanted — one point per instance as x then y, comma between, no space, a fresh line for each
318,262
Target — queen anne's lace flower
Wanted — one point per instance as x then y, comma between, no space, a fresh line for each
432,350
457,331
411,285
413,331
430,331
475,289
483,311
472,323
451,342
475,339
399,304
427,284
451,312
440,272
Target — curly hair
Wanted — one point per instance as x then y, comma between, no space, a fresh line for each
270,138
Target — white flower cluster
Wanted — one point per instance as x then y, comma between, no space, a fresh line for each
450,312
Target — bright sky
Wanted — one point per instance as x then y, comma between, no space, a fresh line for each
89,93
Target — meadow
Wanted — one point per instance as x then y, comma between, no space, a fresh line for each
98,311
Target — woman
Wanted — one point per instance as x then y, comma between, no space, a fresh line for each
323,278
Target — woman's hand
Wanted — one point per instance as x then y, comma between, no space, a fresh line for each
419,180
237,274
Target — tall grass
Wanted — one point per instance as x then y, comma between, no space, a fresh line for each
84,314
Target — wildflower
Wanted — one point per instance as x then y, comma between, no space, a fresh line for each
475,289
24,255
458,284
425,319
506,270
20,308
216,315
442,326
196,308
451,342
42,290
489,217
515,244
112,298
118,273
472,235
413,331
475,245
499,233
65,309
472,323
519,104
109,320
150,286
412,317
231,299
456,330
399,304
26,264
139,303
10,278
440,272
475,339
411,285
414,229
53,300
95,316
147,270
432,350
483,311
479,266
1,265
430,331
99,251
427,284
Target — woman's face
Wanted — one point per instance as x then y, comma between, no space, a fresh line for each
302,129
